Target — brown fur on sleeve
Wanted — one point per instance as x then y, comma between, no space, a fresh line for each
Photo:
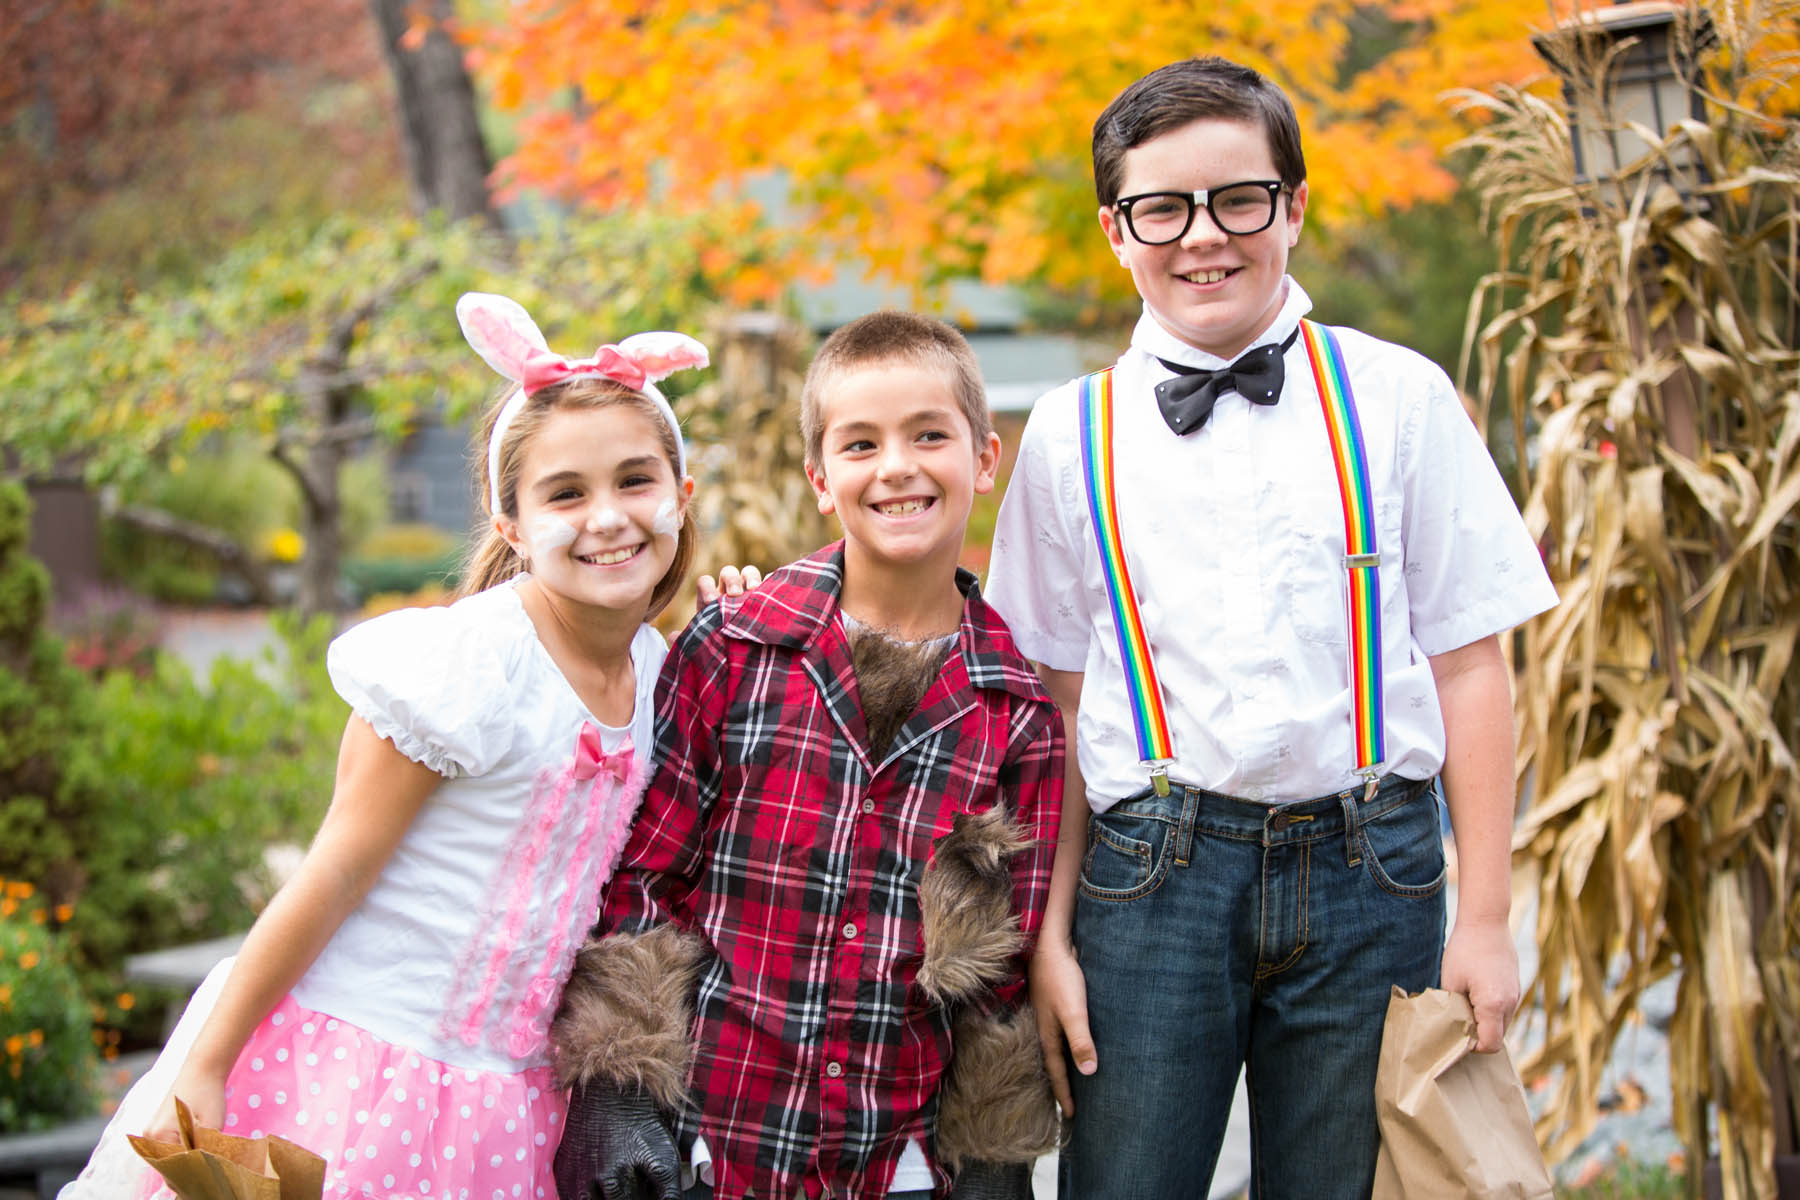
996,1104
966,912
626,1013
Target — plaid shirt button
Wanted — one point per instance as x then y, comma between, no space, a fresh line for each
868,805
834,1069
849,929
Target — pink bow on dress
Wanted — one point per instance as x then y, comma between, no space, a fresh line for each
591,758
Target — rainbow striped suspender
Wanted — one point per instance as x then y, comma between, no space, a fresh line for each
1156,749
1362,561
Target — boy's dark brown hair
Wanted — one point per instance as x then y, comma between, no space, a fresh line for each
888,338
1194,89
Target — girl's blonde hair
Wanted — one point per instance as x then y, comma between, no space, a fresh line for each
493,560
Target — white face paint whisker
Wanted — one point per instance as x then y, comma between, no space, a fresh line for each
548,533
667,522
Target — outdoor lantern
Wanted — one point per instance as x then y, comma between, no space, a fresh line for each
1650,83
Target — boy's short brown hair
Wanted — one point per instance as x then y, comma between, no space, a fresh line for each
1194,89
886,338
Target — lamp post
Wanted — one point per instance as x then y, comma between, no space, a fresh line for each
1651,84
1632,63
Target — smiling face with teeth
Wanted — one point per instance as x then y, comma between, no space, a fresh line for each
598,508
1213,290
900,467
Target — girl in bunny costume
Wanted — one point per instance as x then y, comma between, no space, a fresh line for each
388,1010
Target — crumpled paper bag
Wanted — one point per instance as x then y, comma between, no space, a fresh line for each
1453,1122
209,1165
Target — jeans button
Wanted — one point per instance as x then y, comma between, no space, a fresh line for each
1280,821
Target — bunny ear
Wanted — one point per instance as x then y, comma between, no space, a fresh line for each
661,353
501,331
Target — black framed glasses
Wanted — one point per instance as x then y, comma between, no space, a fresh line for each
1158,218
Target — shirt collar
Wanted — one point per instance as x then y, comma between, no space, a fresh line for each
797,604
1150,337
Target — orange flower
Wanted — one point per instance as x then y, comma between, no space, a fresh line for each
28,960
35,1038
37,916
19,889
5,995
14,1045
64,912
8,907
126,1000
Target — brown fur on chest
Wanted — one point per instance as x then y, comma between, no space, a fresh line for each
891,677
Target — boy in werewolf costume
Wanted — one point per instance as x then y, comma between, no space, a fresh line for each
808,976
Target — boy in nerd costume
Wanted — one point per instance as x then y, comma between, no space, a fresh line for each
1263,567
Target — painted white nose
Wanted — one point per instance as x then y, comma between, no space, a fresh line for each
606,519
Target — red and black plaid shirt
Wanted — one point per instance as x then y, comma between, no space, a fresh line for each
768,831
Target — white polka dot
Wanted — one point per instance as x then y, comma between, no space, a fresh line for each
309,1027
421,1104
315,1088
539,1139
331,1116
432,1075
331,1025
521,1110
312,1060
387,1119
256,1133
414,1161
350,1154
467,1112
362,1116
388,1074
340,1054
369,1152
424,1186
399,1093
387,1181
256,1064
531,1093
521,1154
355,1082
449,1152
231,1120
301,1118
405,1134
281,1055
413,1062
553,1118
487,1101
281,1097
254,1102
278,1019
468,1077
511,1126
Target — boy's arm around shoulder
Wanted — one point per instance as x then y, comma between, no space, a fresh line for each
996,1109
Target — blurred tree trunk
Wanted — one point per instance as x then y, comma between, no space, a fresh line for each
445,152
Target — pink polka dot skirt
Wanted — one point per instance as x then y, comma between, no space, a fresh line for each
388,1121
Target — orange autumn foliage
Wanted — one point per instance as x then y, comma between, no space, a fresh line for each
941,139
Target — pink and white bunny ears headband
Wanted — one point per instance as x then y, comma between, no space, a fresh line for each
506,337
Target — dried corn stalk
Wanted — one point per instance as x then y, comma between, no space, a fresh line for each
1645,347
752,501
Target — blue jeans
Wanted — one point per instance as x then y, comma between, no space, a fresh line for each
1215,933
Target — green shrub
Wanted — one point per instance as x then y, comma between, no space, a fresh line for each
51,785
48,1063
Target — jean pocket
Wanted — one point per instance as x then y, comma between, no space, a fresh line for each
1404,850
1127,855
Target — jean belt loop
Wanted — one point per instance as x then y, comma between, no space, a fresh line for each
1352,843
1184,836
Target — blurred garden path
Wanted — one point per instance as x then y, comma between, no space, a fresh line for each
200,635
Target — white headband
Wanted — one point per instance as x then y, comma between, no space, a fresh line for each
509,341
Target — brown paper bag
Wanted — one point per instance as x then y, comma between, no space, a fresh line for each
1453,1122
209,1165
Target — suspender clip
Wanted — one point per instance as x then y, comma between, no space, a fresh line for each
1159,779
1353,561
1372,777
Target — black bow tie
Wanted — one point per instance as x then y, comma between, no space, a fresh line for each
1187,400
